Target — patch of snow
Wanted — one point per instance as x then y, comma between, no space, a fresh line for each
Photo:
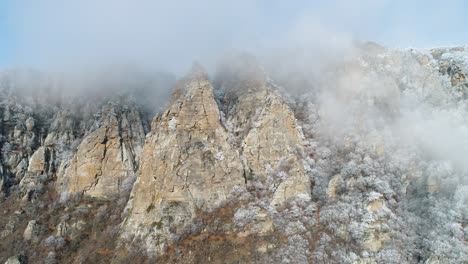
172,124
219,156
373,196
282,175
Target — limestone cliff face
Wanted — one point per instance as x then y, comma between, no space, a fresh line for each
271,141
188,164
107,156
274,146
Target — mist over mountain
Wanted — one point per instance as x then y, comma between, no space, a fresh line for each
360,160
246,132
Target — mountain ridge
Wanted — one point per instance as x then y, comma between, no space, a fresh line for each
346,171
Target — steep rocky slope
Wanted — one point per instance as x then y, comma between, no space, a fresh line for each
191,161
265,128
188,164
366,164
108,156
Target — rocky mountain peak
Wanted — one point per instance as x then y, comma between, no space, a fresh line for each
107,156
188,165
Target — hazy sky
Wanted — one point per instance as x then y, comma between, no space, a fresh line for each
171,34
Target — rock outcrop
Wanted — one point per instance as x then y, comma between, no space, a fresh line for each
188,164
196,155
40,161
107,156
271,141
31,230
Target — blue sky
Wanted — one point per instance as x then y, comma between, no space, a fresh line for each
7,41
55,32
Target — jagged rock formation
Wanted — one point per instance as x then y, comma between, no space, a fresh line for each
39,161
240,170
46,133
19,138
191,161
188,164
108,156
270,139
